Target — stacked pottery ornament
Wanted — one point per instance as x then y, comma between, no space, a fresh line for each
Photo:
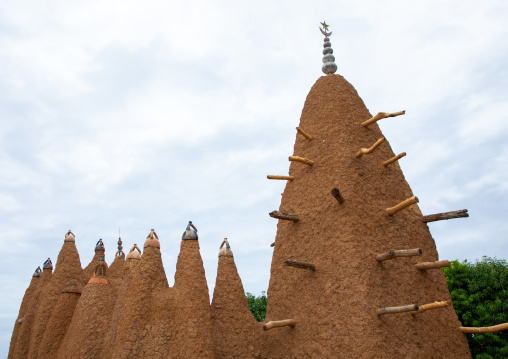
329,66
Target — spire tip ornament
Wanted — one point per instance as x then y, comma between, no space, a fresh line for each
190,233
329,66
119,254
48,264
100,245
70,237
37,272
152,240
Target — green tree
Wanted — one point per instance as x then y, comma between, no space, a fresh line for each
480,298
257,306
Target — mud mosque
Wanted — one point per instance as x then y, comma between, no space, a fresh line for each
355,272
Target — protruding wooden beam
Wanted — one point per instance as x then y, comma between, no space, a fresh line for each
289,178
461,213
304,134
433,265
380,116
435,305
301,160
479,330
364,151
399,253
408,252
283,215
272,245
298,264
394,310
336,194
406,203
385,256
394,159
279,323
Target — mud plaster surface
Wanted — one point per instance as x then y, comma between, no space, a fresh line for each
58,324
27,303
236,334
68,267
335,306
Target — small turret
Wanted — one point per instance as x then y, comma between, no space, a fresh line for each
190,233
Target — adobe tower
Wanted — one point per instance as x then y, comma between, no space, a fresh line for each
345,217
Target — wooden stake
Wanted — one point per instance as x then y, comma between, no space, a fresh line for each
479,330
286,216
385,256
301,160
432,265
399,253
394,159
304,134
380,116
394,310
461,213
279,323
290,178
337,195
364,151
408,252
392,210
435,305
298,264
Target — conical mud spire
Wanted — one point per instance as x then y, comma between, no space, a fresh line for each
235,332
194,300
122,315
68,266
138,329
27,302
324,274
60,319
20,342
91,318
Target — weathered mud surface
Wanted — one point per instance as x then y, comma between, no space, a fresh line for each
235,332
335,306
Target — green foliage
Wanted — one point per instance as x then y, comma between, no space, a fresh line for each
480,297
257,306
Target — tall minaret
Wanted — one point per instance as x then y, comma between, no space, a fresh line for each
338,214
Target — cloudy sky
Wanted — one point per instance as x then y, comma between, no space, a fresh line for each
135,115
